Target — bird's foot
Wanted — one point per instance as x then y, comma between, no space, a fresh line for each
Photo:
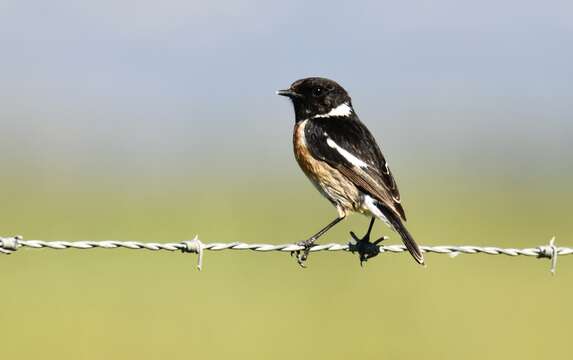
364,247
302,255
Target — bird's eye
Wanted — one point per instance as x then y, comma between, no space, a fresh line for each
317,91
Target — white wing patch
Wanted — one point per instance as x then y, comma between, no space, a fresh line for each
373,209
340,110
345,154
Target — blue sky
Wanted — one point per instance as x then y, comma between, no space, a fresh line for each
146,81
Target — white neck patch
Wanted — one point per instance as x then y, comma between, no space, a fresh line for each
340,110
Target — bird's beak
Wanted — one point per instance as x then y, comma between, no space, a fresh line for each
288,93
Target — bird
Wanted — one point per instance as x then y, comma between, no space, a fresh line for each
342,159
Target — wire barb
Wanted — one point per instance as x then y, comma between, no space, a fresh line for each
550,252
194,246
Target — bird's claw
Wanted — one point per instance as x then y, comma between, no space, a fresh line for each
364,247
302,255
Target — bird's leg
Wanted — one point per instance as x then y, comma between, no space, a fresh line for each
364,247
302,255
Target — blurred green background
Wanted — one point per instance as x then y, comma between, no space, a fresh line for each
158,121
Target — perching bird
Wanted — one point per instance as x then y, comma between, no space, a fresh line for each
341,158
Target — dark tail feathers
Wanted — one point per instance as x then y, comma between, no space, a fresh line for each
407,238
411,245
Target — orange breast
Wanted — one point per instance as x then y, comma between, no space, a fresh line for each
329,181
307,163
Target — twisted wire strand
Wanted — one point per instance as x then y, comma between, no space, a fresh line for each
11,244
441,249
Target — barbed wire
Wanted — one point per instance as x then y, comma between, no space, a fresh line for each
9,245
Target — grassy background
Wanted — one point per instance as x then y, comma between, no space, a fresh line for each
146,305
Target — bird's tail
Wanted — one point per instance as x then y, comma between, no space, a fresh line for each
409,241
392,219
407,238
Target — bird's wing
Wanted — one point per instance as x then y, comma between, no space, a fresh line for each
347,145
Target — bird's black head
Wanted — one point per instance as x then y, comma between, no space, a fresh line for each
317,96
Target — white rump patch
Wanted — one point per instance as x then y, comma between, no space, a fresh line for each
345,154
340,110
373,209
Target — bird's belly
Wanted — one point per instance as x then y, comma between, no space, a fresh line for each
329,181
